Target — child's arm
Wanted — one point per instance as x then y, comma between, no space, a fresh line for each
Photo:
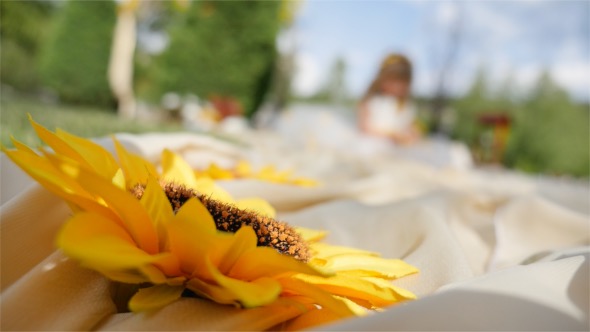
409,136
363,117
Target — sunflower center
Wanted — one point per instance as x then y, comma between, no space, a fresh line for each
228,218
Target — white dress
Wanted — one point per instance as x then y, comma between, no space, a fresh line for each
386,117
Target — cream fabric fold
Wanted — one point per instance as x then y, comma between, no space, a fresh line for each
29,224
57,294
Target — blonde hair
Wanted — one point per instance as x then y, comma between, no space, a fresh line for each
394,66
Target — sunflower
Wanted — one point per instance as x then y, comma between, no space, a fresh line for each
158,231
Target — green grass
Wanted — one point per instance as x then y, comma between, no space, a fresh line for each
79,120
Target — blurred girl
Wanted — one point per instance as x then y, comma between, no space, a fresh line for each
385,110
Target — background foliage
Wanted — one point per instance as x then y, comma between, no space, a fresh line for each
75,62
23,32
224,48
549,131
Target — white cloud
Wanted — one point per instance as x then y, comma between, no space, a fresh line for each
527,76
423,83
446,13
574,77
308,75
513,42
360,68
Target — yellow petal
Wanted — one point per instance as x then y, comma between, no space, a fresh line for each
129,276
320,297
153,274
20,146
243,168
370,266
264,261
257,205
311,235
57,144
100,243
177,170
326,251
402,294
155,297
304,182
168,264
119,179
207,186
158,207
210,291
242,241
217,172
84,226
194,212
176,281
283,177
267,172
55,180
249,294
44,172
192,234
357,309
95,155
132,215
356,288
135,168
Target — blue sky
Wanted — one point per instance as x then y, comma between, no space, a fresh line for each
515,40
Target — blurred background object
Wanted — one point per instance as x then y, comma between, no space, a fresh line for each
23,28
509,79
386,110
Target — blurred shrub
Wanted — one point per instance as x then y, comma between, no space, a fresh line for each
76,59
551,133
333,90
479,100
22,31
222,48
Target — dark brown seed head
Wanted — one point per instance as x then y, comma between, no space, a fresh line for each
270,232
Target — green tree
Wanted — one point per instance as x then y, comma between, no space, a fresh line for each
75,61
334,90
22,31
551,133
224,48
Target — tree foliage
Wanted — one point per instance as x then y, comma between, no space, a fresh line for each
22,31
549,132
334,89
75,61
478,100
223,48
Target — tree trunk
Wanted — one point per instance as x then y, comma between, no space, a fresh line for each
449,56
121,62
